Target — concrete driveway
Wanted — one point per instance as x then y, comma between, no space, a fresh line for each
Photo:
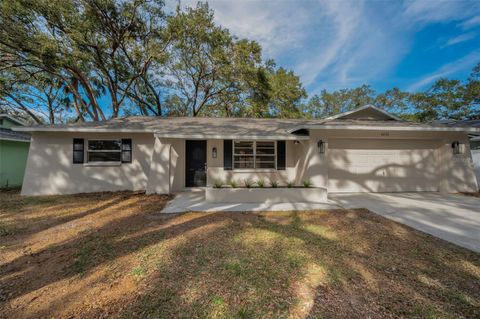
455,218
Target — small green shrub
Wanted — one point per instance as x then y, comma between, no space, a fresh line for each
273,183
248,183
139,271
307,183
233,183
261,183
217,184
216,300
290,184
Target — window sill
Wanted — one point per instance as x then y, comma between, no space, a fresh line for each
103,164
254,170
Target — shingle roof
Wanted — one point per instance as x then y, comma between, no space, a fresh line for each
344,122
178,126
7,134
204,127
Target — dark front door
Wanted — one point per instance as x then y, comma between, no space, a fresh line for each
196,163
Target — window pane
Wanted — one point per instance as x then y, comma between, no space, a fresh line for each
261,151
243,158
104,145
241,151
266,144
243,165
266,165
104,156
265,158
243,148
244,144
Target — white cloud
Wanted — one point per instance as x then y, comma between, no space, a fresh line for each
272,23
461,38
471,23
429,11
337,43
466,62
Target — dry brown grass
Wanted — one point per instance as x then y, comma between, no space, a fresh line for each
110,255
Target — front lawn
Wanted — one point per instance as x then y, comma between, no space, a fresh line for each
111,255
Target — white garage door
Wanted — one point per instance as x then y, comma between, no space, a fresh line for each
382,165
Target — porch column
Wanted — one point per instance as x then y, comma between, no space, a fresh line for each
316,163
159,174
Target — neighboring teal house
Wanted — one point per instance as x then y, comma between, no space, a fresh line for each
13,152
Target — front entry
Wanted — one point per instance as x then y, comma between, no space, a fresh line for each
196,163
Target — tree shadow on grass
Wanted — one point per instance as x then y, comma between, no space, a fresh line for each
305,264
286,268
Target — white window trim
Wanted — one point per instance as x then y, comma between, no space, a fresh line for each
255,169
102,163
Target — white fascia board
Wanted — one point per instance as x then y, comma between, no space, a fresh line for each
232,137
81,130
13,140
368,106
384,128
160,134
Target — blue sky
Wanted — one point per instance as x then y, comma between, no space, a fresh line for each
335,44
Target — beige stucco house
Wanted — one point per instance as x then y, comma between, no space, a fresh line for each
365,150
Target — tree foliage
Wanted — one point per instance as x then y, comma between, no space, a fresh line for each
445,99
82,60
109,58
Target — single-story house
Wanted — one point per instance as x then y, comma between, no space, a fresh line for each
13,152
365,150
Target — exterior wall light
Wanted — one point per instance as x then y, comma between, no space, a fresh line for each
214,152
296,142
458,148
321,147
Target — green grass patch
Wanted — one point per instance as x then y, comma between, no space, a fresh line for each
6,230
139,271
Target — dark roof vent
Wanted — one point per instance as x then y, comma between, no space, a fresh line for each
302,132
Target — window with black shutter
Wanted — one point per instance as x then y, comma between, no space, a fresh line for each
108,151
126,150
78,150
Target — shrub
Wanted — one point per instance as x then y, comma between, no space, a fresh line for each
217,184
290,184
261,183
248,183
273,183
232,183
307,183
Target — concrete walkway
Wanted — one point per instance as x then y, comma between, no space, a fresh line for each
455,218
194,201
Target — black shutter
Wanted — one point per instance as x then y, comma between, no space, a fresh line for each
281,151
227,155
126,150
78,149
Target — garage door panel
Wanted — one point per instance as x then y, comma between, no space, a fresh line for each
382,166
